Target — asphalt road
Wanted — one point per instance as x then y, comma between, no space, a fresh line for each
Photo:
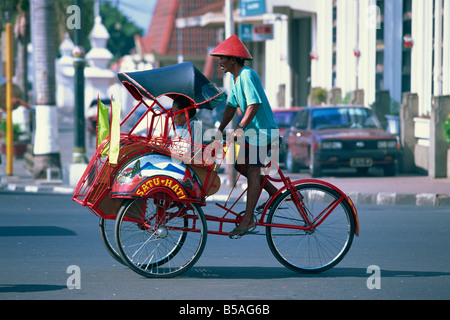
42,236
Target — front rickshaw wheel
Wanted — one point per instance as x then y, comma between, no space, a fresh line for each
310,250
160,236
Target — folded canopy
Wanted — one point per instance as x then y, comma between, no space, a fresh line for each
183,78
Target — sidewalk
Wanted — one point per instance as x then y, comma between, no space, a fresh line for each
399,190
402,189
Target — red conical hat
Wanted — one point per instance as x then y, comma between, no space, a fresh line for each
232,46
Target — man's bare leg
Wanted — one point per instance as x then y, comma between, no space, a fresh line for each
253,174
268,186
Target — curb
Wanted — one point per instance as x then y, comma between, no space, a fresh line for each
380,198
37,188
391,198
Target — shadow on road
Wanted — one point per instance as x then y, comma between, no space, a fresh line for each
33,231
281,273
4,288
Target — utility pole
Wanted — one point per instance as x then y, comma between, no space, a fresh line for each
180,34
357,52
78,53
437,72
9,91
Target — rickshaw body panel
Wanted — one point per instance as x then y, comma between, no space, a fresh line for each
146,174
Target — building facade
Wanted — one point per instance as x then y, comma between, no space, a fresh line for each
374,45
367,45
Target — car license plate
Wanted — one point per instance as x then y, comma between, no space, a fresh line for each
360,162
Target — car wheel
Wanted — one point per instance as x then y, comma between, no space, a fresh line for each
389,170
314,168
291,165
362,171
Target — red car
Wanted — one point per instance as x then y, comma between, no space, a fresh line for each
325,137
283,118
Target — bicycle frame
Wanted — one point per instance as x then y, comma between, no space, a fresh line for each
288,185
231,216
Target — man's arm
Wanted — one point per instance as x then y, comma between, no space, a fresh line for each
248,117
250,113
227,117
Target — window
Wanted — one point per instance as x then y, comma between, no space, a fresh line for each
335,118
301,121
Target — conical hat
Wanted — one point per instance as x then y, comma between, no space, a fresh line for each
232,46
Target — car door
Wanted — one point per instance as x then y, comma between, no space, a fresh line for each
299,137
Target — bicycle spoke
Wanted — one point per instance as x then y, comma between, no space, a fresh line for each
168,243
327,234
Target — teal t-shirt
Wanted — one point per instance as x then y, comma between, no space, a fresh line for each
248,90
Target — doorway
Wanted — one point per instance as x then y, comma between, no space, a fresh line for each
300,47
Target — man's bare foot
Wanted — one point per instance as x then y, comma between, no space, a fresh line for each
242,229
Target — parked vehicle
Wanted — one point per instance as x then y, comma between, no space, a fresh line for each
284,118
325,137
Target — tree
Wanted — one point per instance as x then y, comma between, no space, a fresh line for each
17,12
62,17
121,31
46,147
48,26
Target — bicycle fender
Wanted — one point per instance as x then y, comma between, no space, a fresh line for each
146,174
305,181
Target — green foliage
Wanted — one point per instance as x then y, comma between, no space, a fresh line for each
17,132
121,30
446,130
319,95
9,10
87,20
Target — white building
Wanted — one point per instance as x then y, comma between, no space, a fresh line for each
98,77
362,44
352,44
64,75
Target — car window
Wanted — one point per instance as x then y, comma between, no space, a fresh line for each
343,118
362,118
283,119
301,121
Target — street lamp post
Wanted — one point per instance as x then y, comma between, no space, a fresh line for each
78,53
9,92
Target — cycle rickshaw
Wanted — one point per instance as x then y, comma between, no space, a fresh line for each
150,203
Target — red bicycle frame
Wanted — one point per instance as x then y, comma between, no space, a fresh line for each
297,199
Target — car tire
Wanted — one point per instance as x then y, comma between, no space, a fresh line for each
291,165
363,171
389,170
314,168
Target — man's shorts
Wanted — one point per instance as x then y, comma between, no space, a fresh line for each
253,155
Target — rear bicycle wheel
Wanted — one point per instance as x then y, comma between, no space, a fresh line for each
107,231
318,249
160,237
